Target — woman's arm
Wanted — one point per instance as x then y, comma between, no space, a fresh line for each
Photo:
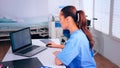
57,61
54,45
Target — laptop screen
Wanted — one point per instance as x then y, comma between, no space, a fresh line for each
20,38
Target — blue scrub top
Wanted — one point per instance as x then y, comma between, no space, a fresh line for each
77,52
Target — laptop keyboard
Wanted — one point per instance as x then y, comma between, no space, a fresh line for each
28,49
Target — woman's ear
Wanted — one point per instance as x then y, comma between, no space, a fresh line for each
68,19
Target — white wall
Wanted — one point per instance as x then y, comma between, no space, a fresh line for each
23,8
107,46
112,49
54,6
33,8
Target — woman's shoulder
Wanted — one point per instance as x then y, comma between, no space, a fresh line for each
77,33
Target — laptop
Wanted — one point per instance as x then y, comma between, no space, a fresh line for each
22,63
21,43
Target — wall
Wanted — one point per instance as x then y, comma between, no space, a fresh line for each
55,6
107,46
23,8
112,49
18,9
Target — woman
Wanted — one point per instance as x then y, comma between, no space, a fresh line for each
77,52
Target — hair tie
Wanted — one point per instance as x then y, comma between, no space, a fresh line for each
78,16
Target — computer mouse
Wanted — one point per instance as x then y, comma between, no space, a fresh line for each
48,45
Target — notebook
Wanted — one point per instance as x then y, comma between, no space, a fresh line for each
22,63
21,43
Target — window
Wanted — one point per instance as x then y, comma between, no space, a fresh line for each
116,19
87,6
102,13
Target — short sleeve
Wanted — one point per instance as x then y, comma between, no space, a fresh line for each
71,50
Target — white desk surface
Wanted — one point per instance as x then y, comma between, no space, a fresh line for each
46,56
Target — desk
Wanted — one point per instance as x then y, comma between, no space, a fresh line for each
46,56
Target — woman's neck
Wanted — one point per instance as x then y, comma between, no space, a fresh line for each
73,27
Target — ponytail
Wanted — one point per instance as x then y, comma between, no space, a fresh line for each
82,24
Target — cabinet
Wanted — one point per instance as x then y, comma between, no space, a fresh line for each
42,31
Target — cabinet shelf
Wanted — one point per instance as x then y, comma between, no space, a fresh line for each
4,34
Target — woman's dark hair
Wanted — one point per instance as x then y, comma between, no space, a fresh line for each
80,19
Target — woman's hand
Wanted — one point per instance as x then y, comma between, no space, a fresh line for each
56,52
57,61
54,45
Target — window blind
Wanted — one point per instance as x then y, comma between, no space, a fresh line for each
102,13
116,19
